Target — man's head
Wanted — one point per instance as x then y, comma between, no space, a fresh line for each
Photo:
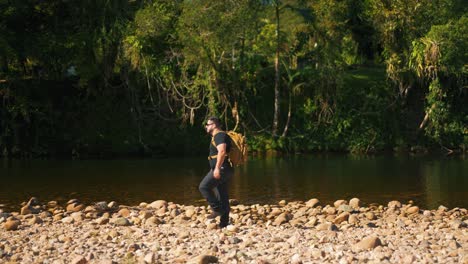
212,123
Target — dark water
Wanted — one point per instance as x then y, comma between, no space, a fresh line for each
429,182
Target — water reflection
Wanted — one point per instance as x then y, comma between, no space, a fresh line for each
429,182
445,182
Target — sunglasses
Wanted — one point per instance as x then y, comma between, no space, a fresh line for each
209,124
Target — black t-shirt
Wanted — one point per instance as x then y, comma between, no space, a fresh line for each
219,138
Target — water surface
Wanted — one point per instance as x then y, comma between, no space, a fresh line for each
428,181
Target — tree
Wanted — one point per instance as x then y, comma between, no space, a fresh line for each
213,37
439,57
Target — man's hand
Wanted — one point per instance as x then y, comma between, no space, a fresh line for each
216,173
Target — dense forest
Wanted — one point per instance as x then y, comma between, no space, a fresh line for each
106,78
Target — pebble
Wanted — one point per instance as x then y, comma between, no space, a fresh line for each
121,221
12,224
368,243
124,212
285,232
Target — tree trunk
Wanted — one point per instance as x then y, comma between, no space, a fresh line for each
426,118
277,74
286,127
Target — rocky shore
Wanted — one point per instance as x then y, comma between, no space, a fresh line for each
288,232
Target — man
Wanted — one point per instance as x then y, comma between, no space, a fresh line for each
214,187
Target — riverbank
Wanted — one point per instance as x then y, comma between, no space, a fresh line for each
294,232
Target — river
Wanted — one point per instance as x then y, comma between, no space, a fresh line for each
427,181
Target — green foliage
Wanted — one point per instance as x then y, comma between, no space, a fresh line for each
446,127
139,77
440,57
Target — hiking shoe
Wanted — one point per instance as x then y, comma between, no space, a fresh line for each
214,214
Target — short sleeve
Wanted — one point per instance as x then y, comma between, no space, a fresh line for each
220,138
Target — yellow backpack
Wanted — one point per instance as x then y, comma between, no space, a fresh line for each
239,149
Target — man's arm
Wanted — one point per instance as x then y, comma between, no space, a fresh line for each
219,160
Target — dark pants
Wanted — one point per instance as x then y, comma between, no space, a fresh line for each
216,192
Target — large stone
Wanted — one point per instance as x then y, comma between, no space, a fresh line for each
369,242
153,221
297,222
232,228
102,220
57,217
189,212
312,202
158,204
370,215
353,219
302,211
174,212
124,212
52,204
45,214
355,203
394,204
77,216
281,219
330,210
412,210
33,201
161,211
75,207
35,220
73,201
25,210
121,221
12,224
113,206
275,212
345,208
312,222
337,203
101,207
442,208
341,218
145,215
68,220
90,209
